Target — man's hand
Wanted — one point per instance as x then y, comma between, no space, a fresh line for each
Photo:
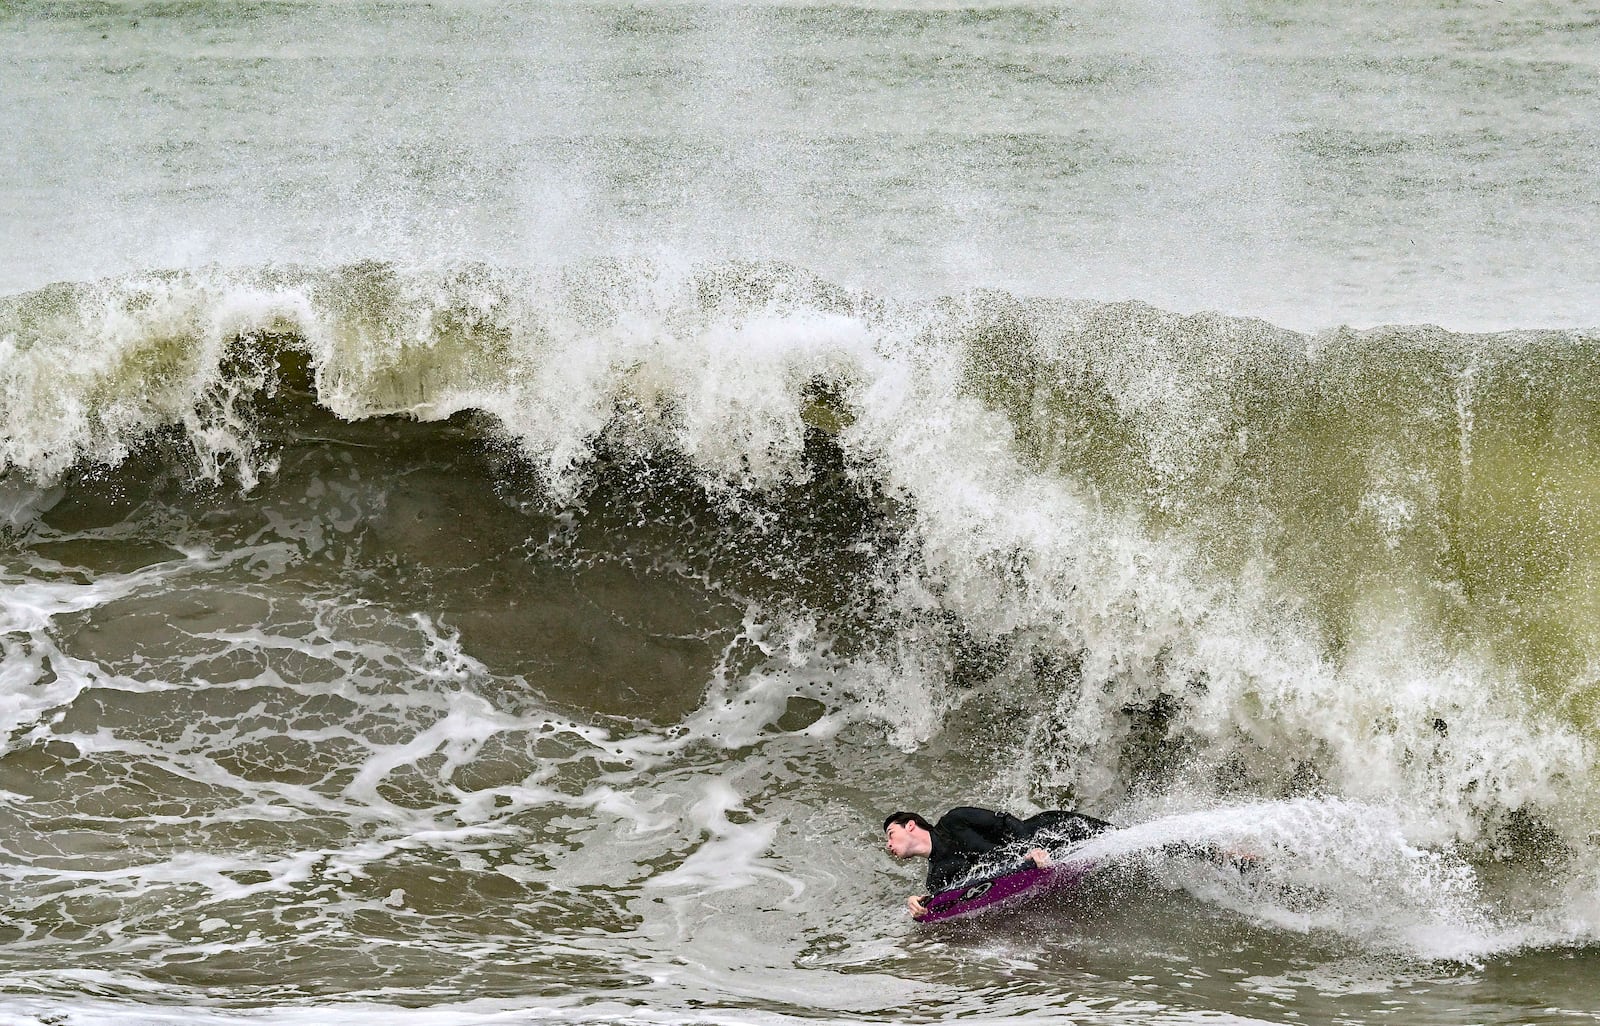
1040,858
915,904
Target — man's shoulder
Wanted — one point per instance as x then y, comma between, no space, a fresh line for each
967,814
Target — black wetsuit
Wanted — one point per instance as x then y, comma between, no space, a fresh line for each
965,837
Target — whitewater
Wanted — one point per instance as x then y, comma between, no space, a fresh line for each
497,502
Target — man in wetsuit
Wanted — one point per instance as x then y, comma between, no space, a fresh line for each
967,836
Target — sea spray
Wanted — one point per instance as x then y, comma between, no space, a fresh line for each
1313,865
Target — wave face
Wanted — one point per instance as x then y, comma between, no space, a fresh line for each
335,595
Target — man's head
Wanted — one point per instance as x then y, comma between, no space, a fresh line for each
907,835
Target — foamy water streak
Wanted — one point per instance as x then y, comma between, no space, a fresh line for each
1314,865
314,772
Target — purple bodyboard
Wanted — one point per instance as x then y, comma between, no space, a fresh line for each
988,893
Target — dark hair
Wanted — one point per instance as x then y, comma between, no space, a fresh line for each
907,817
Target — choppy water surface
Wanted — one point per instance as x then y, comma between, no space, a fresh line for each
497,501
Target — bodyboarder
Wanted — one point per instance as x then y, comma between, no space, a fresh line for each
966,836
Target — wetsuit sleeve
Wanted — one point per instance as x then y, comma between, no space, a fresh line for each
1063,827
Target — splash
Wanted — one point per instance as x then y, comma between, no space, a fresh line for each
1315,866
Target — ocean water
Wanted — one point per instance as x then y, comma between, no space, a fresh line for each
498,500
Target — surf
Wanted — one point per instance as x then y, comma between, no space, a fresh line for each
417,563
1223,536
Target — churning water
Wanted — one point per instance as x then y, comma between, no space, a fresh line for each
497,500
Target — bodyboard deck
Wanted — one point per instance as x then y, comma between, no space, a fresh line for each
1010,887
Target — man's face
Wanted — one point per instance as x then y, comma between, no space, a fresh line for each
901,840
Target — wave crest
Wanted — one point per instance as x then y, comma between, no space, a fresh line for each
1174,552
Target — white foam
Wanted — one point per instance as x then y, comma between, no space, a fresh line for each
1318,865
731,855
